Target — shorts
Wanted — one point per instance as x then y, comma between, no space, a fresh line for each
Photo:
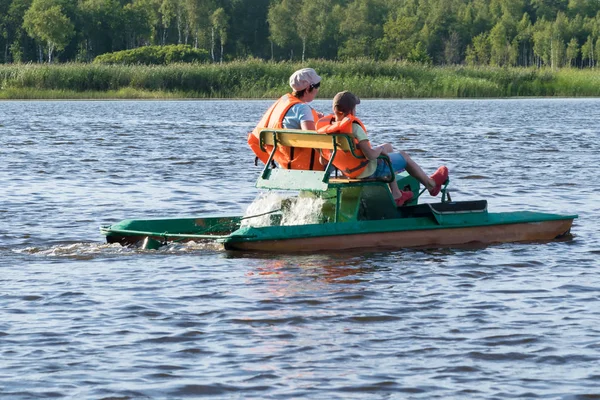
398,164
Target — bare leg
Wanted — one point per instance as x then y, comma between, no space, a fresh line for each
396,192
414,170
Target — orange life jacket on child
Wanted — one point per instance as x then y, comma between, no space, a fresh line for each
345,161
286,157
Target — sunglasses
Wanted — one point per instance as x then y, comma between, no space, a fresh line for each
315,86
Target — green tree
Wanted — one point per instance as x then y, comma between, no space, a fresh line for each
475,18
196,22
437,23
572,51
137,29
152,14
524,41
220,23
470,56
46,22
577,29
419,55
502,49
452,48
511,32
100,32
547,9
362,28
542,38
19,44
4,27
328,37
307,26
597,49
482,21
282,31
584,8
169,10
300,22
587,52
558,48
399,36
512,9
176,12
481,49
250,32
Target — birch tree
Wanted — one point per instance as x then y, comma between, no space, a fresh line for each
307,26
46,23
572,51
281,28
220,23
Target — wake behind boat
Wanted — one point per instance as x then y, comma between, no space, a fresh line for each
349,213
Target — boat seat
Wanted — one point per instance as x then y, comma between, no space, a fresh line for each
279,178
459,207
357,180
444,208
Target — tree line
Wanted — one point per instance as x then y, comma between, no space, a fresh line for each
551,33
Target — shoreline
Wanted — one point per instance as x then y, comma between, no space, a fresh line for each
155,98
245,80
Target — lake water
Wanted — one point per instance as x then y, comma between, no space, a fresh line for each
84,320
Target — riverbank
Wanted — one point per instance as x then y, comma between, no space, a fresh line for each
260,79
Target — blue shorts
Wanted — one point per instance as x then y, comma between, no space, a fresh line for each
398,163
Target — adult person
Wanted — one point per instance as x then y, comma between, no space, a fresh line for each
344,120
292,111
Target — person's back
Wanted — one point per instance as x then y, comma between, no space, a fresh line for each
343,121
291,111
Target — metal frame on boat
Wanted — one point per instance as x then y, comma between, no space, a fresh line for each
353,213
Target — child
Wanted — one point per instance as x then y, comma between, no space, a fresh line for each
345,121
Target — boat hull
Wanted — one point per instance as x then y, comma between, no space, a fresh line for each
428,238
426,225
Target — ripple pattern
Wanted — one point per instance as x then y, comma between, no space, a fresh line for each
85,320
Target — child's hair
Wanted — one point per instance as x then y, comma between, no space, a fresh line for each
345,102
301,93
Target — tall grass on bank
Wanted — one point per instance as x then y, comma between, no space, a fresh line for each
260,79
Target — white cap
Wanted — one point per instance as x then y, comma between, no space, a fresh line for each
303,78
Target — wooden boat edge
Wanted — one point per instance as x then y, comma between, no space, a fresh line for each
424,238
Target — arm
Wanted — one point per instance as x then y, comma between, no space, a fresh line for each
319,114
364,144
308,125
368,151
307,121
322,160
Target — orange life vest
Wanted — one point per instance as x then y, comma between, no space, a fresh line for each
345,161
286,157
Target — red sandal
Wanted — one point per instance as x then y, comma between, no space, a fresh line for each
406,196
440,177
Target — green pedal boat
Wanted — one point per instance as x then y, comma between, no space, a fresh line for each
345,213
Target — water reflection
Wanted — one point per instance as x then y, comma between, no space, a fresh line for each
330,268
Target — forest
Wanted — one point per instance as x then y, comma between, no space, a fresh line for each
520,33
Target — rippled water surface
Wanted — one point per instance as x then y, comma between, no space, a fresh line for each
84,320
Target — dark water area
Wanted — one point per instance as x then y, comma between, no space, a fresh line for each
81,319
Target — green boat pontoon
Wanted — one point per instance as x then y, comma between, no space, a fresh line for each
348,213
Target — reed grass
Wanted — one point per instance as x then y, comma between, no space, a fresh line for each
261,79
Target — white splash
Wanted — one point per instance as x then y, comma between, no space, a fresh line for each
85,251
78,250
259,212
192,246
272,208
303,211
